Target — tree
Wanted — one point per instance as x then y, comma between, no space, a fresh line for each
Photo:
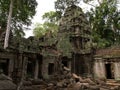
61,5
49,26
105,23
22,12
52,17
8,25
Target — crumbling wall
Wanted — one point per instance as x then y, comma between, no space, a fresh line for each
18,53
106,68
6,63
46,66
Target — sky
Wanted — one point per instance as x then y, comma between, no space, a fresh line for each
45,6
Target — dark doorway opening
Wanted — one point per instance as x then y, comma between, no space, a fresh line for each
4,64
30,68
65,63
109,73
50,68
79,65
40,61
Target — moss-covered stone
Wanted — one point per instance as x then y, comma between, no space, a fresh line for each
74,32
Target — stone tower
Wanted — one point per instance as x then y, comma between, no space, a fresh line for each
75,27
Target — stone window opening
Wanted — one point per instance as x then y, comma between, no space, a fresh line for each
50,68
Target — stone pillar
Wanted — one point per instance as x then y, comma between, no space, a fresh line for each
36,69
17,75
10,67
69,65
24,69
99,69
20,64
117,70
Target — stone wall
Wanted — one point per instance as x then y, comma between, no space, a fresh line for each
46,66
107,68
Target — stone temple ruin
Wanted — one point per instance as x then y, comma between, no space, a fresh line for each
107,63
45,58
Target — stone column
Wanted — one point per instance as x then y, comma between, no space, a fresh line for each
117,70
99,69
24,69
10,67
20,65
69,65
36,69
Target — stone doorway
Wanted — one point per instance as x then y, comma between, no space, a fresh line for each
4,64
109,71
40,63
30,68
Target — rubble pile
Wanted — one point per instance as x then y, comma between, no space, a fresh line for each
65,80
6,83
70,81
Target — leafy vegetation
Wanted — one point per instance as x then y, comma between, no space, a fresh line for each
14,14
49,26
64,45
42,29
105,24
61,5
23,12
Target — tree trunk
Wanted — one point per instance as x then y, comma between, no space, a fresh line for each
8,25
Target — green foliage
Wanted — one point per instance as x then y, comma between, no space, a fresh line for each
50,25
105,23
39,30
61,5
64,45
52,16
42,29
23,11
